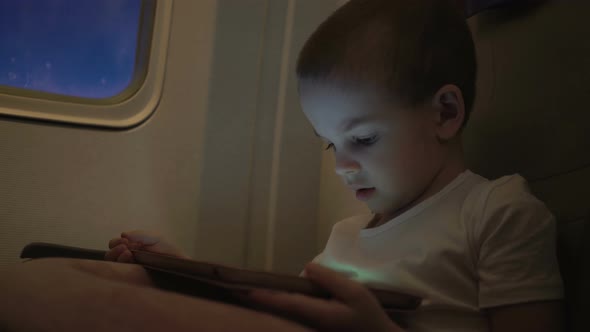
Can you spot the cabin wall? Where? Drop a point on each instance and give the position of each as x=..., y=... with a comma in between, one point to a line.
x=261, y=160
x=81, y=186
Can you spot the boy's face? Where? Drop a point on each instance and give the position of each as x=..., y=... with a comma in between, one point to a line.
x=388, y=155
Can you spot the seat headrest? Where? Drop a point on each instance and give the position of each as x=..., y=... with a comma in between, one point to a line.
x=531, y=115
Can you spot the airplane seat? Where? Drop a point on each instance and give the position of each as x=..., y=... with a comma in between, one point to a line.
x=532, y=117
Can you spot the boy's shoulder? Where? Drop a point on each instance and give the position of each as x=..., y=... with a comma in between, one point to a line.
x=509, y=190
x=506, y=202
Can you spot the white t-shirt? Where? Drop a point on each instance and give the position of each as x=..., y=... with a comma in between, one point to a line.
x=475, y=244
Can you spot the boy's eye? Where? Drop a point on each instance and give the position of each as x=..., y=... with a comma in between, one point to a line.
x=329, y=146
x=366, y=140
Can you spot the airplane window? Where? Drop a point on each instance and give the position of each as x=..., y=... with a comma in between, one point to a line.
x=76, y=48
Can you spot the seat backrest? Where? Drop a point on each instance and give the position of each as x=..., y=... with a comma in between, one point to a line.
x=531, y=115
x=574, y=257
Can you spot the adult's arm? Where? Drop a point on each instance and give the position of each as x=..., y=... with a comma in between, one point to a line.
x=73, y=295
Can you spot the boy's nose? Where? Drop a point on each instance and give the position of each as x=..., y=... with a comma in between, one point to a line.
x=346, y=166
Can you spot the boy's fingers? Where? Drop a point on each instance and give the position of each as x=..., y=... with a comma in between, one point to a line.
x=301, y=307
x=114, y=253
x=348, y=291
x=125, y=257
x=117, y=241
x=144, y=237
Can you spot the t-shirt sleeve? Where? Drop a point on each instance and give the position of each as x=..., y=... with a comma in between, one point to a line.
x=517, y=259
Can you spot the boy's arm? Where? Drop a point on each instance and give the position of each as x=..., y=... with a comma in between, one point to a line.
x=545, y=316
x=520, y=286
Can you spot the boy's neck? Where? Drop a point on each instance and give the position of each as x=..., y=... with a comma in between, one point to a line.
x=450, y=170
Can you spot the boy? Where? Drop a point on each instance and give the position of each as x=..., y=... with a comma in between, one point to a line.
x=389, y=85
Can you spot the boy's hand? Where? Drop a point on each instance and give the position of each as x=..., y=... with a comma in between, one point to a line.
x=353, y=307
x=120, y=247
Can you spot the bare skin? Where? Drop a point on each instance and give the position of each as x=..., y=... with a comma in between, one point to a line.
x=76, y=295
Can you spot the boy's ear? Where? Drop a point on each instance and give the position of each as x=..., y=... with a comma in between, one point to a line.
x=450, y=112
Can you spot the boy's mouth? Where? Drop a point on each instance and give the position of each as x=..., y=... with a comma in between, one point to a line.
x=364, y=194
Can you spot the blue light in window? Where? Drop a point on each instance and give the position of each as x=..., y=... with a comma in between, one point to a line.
x=81, y=48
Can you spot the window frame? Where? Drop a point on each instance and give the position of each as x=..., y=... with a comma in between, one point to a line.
x=127, y=109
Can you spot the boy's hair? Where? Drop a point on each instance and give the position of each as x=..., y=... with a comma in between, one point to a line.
x=408, y=49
